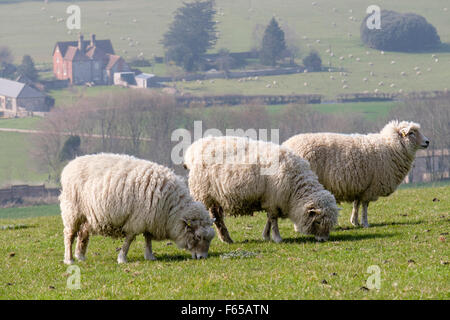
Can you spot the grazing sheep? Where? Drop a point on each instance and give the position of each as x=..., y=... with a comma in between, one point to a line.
x=122, y=196
x=360, y=168
x=225, y=179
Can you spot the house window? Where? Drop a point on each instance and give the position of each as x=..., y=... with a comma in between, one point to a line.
x=65, y=70
x=8, y=104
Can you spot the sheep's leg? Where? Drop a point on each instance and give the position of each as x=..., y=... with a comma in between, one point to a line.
x=69, y=237
x=354, y=220
x=275, y=232
x=82, y=242
x=122, y=257
x=217, y=213
x=148, y=255
x=364, y=218
x=266, y=231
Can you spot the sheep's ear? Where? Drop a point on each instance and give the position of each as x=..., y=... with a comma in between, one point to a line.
x=404, y=132
x=313, y=212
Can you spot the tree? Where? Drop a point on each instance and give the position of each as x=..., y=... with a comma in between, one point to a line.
x=400, y=32
x=273, y=44
x=191, y=34
x=7, y=69
x=224, y=60
x=71, y=148
x=27, y=68
x=312, y=61
x=5, y=55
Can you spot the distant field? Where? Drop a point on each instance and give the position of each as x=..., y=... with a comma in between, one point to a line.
x=408, y=242
x=68, y=96
x=16, y=164
x=29, y=212
x=20, y=123
x=236, y=25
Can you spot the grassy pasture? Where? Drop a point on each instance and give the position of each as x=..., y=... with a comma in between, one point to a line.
x=16, y=164
x=408, y=241
x=236, y=21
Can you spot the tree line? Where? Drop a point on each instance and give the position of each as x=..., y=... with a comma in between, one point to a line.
x=141, y=123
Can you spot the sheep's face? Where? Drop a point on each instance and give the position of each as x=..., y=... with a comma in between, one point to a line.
x=197, y=233
x=412, y=137
x=318, y=219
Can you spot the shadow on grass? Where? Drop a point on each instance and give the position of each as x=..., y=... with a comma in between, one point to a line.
x=171, y=257
x=396, y=223
x=333, y=237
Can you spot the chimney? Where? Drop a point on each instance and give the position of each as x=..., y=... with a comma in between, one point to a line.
x=93, y=40
x=81, y=43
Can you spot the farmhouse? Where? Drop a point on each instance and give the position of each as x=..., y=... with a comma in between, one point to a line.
x=17, y=98
x=86, y=61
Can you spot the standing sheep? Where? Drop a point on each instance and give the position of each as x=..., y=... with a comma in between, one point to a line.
x=360, y=168
x=121, y=196
x=238, y=176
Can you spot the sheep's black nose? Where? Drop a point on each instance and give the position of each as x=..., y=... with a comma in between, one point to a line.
x=427, y=142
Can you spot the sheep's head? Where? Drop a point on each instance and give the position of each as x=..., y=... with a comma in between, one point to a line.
x=197, y=231
x=412, y=137
x=409, y=134
x=318, y=216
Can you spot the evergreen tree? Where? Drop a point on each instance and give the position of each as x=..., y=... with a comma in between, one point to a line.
x=312, y=61
x=27, y=68
x=191, y=34
x=71, y=148
x=273, y=44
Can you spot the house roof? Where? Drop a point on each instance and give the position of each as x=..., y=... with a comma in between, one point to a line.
x=16, y=89
x=112, y=61
x=73, y=54
x=104, y=45
x=145, y=76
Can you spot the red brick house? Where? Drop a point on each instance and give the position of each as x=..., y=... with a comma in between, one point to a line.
x=87, y=61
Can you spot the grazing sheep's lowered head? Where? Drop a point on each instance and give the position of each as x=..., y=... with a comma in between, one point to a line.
x=318, y=215
x=196, y=232
x=408, y=133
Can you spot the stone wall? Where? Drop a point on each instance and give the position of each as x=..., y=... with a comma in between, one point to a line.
x=17, y=192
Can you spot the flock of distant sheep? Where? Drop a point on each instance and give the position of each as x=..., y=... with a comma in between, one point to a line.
x=122, y=196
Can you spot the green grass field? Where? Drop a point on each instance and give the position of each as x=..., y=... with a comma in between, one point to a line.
x=236, y=21
x=408, y=241
x=16, y=163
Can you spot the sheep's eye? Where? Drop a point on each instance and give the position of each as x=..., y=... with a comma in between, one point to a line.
x=411, y=133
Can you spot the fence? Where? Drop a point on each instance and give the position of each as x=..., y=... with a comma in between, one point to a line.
x=18, y=192
x=231, y=100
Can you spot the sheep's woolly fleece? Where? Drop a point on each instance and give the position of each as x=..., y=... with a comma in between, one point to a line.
x=240, y=176
x=122, y=196
x=356, y=166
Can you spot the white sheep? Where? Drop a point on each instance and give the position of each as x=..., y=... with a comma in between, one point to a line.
x=360, y=168
x=238, y=176
x=122, y=196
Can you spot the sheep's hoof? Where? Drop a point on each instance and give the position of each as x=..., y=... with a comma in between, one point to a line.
x=121, y=260
x=277, y=239
x=366, y=225
x=150, y=257
x=354, y=222
x=226, y=239
x=69, y=261
x=80, y=257
x=266, y=237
